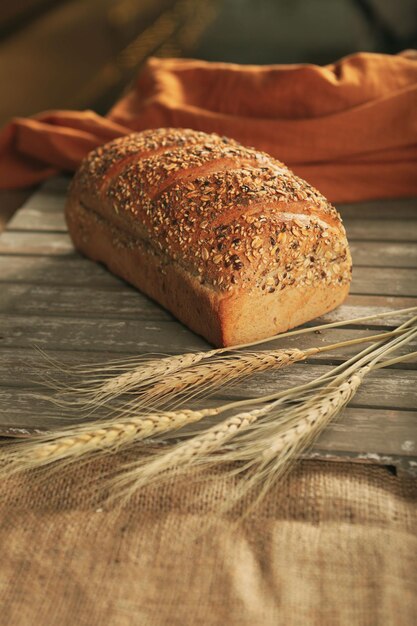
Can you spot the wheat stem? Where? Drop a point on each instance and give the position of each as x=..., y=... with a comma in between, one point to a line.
x=98, y=390
x=282, y=432
x=207, y=375
x=84, y=440
x=405, y=335
x=398, y=359
x=91, y=437
x=216, y=373
x=87, y=438
x=200, y=450
x=245, y=364
x=318, y=415
x=154, y=371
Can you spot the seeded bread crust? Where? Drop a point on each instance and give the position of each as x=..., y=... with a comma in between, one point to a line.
x=225, y=237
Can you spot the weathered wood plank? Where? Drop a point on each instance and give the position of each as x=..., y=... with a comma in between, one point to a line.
x=27, y=242
x=91, y=302
x=388, y=431
x=96, y=302
x=94, y=334
x=390, y=390
x=361, y=430
x=384, y=281
x=74, y=270
x=400, y=209
x=363, y=305
x=384, y=254
x=384, y=230
x=10, y=201
x=40, y=218
x=141, y=336
x=68, y=269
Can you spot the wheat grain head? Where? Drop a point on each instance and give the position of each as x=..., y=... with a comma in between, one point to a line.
x=71, y=444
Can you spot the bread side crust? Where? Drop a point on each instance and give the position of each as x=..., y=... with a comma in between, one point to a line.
x=165, y=282
x=223, y=319
x=251, y=316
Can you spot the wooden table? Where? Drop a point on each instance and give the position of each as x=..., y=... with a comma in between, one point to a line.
x=76, y=311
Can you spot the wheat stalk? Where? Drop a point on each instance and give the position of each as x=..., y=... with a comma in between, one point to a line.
x=267, y=440
x=210, y=448
x=83, y=440
x=136, y=373
x=203, y=378
x=218, y=373
x=98, y=436
x=158, y=390
x=236, y=438
x=225, y=370
x=138, y=376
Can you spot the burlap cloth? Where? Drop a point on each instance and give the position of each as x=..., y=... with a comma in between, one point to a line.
x=333, y=544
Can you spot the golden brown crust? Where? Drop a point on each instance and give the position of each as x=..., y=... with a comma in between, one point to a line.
x=106, y=160
x=237, y=223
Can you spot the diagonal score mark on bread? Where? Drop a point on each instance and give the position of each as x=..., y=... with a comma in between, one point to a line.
x=106, y=162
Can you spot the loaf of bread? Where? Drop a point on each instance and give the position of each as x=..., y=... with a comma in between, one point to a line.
x=225, y=237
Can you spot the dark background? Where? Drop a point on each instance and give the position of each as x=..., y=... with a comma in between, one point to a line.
x=82, y=53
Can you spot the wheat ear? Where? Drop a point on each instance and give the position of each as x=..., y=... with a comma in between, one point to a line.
x=206, y=377
x=218, y=373
x=49, y=448
x=100, y=436
x=266, y=455
x=267, y=451
x=273, y=434
x=86, y=438
x=98, y=386
x=198, y=451
x=83, y=439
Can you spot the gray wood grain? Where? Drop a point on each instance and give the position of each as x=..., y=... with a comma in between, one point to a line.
x=64, y=333
x=383, y=230
x=37, y=219
x=367, y=434
x=43, y=243
x=384, y=254
x=398, y=208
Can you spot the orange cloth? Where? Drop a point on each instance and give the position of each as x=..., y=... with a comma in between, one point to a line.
x=349, y=128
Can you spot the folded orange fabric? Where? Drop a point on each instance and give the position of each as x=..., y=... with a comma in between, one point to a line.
x=349, y=128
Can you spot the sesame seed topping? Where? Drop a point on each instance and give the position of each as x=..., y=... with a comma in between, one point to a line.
x=232, y=216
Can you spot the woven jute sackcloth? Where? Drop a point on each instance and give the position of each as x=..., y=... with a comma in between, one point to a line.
x=333, y=544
